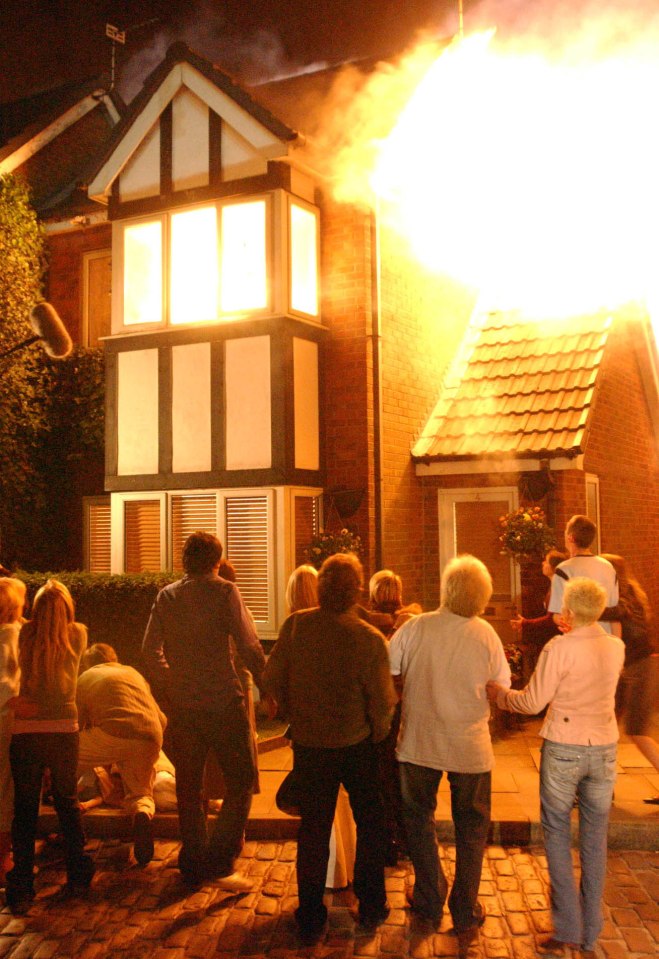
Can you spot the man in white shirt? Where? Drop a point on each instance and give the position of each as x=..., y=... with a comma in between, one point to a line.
x=443, y=660
x=580, y=534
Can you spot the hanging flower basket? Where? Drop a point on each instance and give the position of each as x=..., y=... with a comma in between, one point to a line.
x=327, y=544
x=525, y=535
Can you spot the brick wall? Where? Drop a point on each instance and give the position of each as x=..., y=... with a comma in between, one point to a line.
x=622, y=452
x=64, y=281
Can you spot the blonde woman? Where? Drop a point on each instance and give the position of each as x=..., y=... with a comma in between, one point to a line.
x=12, y=601
x=46, y=736
x=302, y=589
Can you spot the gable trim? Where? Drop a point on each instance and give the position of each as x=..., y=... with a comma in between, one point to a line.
x=481, y=466
x=49, y=133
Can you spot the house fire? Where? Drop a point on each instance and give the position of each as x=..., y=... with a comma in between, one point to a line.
x=312, y=318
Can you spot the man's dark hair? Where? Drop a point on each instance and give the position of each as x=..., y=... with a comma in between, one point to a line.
x=340, y=582
x=201, y=552
x=582, y=530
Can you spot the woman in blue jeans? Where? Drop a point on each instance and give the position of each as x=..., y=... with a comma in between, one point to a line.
x=577, y=674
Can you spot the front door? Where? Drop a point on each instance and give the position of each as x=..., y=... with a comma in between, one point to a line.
x=469, y=523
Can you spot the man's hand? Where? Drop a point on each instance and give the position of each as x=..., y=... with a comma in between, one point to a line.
x=492, y=690
x=517, y=623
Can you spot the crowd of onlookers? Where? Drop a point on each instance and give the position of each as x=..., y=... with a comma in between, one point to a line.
x=381, y=701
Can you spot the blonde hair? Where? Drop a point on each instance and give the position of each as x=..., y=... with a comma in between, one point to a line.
x=45, y=640
x=385, y=590
x=12, y=599
x=302, y=589
x=585, y=599
x=466, y=586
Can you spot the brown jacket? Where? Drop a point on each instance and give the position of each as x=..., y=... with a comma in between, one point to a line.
x=330, y=675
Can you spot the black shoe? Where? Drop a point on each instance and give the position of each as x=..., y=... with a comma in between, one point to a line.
x=79, y=875
x=368, y=922
x=19, y=898
x=142, y=839
x=310, y=931
x=652, y=801
x=479, y=916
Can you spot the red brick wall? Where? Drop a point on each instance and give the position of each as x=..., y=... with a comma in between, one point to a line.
x=64, y=281
x=622, y=452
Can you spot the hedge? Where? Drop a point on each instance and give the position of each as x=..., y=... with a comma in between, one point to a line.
x=115, y=609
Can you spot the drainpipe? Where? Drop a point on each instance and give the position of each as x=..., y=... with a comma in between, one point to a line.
x=376, y=344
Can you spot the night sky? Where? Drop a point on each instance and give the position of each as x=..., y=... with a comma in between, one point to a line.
x=46, y=42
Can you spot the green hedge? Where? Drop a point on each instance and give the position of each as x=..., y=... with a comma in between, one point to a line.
x=115, y=609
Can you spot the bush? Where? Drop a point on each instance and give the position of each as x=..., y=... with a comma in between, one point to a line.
x=115, y=609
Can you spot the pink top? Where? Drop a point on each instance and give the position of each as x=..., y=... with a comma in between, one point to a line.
x=577, y=674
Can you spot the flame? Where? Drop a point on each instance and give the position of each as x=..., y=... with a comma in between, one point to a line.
x=530, y=178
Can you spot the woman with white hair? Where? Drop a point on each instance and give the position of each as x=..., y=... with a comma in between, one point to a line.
x=577, y=675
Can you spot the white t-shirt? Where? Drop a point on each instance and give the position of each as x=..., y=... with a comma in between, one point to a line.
x=590, y=566
x=445, y=661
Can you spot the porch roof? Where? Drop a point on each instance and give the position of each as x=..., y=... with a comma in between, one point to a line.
x=517, y=388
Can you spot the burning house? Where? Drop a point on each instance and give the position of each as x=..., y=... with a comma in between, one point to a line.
x=278, y=358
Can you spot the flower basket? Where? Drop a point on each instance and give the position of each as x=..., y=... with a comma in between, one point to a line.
x=327, y=544
x=525, y=535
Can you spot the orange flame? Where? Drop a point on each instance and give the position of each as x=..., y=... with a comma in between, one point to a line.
x=532, y=179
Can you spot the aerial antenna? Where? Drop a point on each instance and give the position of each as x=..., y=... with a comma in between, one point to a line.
x=119, y=36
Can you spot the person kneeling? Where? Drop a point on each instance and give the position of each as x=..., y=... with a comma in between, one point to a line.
x=121, y=724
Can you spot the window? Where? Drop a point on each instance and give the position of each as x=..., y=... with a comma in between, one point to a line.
x=96, y=295
x=189, y=514
x=210, y=270
x=593, y=506
x=97, y=534
x=304, y=259
x=307, y=525
x=142, y=543
x=248, y=544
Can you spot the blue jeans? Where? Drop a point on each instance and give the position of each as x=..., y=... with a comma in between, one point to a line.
x=470, y=810
x=588, y=773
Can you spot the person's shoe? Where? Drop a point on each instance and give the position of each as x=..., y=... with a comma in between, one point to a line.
x=368, y=922
x=553, y=947
x=652, y=801
x=79, y=875
x=468, y=942
x=310, y=935
x=235, y=882
x=19, y=896
x=142, y=838
x=421, y=917
x=479, y=915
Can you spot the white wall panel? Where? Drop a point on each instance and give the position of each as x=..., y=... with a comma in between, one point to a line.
x=141, y=177
x=248, y=403
x=137, y=412
x=191, y=408
x=189, y=141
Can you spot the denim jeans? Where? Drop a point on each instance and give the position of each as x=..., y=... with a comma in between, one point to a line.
x=470, y=810
x=193, y=734
x=588, y=773
x=30, y=755
x=321, y=771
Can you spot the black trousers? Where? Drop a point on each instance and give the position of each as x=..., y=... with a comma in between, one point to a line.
x=30, y=754
x=321, y=772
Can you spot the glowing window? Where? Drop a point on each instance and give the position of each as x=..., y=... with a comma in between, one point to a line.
x=244, y=258
x=193, y=271
x=304, y=261
x=143, y=273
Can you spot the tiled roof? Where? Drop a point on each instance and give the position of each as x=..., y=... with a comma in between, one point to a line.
x=517, y=388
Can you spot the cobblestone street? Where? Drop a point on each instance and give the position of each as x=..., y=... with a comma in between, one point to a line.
x=131, y=912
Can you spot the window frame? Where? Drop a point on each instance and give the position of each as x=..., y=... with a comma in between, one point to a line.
x=88, y=502
x=291, y=201
x=118, y=260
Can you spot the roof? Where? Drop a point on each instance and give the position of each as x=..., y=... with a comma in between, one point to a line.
x=51, y=140
x=517, y=388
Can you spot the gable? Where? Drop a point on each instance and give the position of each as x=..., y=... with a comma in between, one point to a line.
x=198, y=127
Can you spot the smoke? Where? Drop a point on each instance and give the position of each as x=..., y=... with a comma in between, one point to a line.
x=251, y=59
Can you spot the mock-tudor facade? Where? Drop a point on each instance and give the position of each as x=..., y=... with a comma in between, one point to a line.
x=275, y=362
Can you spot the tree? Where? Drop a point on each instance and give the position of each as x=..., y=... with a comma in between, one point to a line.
x=51, y=412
